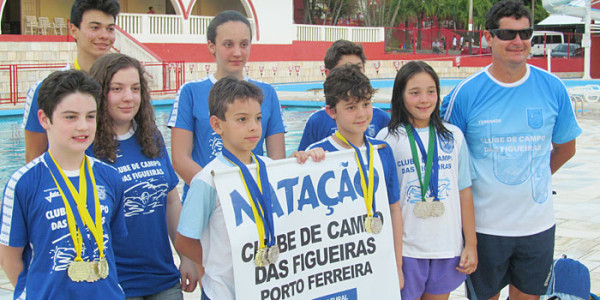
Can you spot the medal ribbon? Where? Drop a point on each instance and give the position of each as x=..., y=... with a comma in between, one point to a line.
x=83, y=217
x=259, y=201
x=431, y=164
x=76, y=65
x=368, y=189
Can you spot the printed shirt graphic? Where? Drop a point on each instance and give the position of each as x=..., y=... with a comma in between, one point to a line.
x=387, y=161
x=190, y=112
x=509, y=130
x=144, y=258
x=34, y=217
x=439, y=237
x=320, y=125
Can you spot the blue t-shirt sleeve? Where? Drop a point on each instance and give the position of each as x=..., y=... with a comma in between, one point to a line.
x=30, y=116
x=391, y=174
x=182, y=112
x=464, y=167
x=566, y=128
x=14, y=232
x=450, y=110
x=383, y=119
x=276, y=120
x=199, y=204
x=172, y=176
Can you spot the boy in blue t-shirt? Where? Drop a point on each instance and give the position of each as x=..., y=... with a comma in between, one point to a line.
x=62, y=210
x=348, y=97
x=235, y=115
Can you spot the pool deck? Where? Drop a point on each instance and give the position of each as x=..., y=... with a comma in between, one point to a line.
x=577, y=205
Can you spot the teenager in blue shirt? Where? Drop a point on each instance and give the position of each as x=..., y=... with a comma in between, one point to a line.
x=128, y=139
x=92, y=25
x=193, y=142
x=319, y=124
x=63, y=211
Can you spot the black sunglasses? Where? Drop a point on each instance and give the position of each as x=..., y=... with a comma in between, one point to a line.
x=511, y=34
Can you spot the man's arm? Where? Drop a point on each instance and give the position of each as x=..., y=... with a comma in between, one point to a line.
x=275, y=145
x=560, y=154
x=11, y=259
x=191, y=248
x=182, y=142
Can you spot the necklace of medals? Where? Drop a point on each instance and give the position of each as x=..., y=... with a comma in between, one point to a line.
x=260, y=201
x=80, y=270
x=428, y=206
x=373, y=222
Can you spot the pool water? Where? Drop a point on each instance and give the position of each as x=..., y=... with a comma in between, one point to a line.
x=12, y=140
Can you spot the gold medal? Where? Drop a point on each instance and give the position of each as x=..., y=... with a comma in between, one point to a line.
x=376, y=225
x=93, y=271
x=368, y=221
x=102, y=267
x=258, y=257
x=273, y=254
x=421, y=209
x=78, y=271
x=436, y=209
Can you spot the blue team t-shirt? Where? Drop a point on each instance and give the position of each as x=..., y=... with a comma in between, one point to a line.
x=509, y=129
x=34, y=217
x=144, y=259
x=387, y=161
x=190, y=112
x=320, y=125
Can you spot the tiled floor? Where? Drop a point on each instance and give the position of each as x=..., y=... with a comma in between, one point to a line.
x=577, y=206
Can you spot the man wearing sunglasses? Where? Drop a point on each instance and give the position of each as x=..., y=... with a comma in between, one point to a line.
x=520, y=128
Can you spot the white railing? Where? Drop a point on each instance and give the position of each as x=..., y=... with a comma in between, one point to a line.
x=125, y=45
x=199, y=25
x=148, y=28
x=334, y=33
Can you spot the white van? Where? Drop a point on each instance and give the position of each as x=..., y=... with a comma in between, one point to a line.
x=542, y=40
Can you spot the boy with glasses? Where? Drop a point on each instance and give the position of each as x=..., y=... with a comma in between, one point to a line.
x=520, y=128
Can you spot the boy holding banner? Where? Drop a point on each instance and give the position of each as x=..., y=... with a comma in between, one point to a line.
x=348, y=95
x=60, y=211
x=235, y=115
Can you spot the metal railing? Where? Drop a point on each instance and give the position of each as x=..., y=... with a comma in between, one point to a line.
x=16, y=79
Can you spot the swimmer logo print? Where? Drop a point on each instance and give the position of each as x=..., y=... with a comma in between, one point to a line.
x=318, y=215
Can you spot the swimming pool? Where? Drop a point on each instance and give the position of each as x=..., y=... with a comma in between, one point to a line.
x=12, y=141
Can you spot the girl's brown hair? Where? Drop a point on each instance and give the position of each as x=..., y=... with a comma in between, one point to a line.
x=148, y=135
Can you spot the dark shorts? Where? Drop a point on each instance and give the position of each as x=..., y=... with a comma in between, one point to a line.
x=431, y=276
x=524, y=262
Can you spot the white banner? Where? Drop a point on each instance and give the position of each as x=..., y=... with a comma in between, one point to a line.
x=319, y=226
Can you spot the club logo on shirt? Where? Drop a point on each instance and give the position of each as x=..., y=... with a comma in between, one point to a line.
x=535, y=118
x=447, y=145
x=146, y=199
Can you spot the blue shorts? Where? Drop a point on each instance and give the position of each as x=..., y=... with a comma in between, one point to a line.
x=432, y=276
x=524, y=262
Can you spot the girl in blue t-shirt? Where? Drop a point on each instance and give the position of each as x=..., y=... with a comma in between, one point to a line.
x=433, y=173
x=128, y=139
x=194, y=143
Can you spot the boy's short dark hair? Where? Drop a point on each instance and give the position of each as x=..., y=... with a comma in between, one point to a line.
x=109, y=7
x=347, y=82
x=503, y=9
x=227, y=90
x=63, y=83
x=340, y=48
x=224, y=17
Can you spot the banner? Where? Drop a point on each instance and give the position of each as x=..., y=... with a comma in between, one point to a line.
x=318, y=214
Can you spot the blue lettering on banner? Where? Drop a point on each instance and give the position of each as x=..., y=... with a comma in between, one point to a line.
x=309, y=195
x=343, y=295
